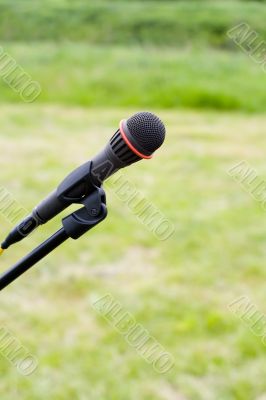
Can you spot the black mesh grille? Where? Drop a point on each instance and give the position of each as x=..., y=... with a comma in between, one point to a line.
x=147, y=130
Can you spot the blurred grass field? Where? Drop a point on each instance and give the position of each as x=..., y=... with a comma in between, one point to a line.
x=178, y=289
x=99, y=62
x=162, y=54
x=115, y=76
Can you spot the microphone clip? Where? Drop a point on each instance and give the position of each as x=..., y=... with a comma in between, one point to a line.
x=84, y=219
x=94, y=211
x=78, y=187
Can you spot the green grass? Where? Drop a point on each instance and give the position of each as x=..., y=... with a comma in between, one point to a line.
x=175, y=23
x=178, y=289
x=164, y=54
x=78, y=74
x=98, y=62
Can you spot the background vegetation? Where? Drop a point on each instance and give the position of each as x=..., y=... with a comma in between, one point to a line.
x=112, y=58
x=98, y=62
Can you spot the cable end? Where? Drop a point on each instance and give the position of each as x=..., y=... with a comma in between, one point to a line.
x=1, y=251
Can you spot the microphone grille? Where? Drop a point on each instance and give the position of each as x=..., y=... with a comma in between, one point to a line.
x=147, y=130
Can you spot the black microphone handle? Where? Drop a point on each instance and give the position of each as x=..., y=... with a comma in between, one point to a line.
x=48, y=208
x=78, y=183
x=137, y=138
x=74, y=187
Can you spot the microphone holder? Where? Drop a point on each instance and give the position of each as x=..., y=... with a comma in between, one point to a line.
x=75, y=225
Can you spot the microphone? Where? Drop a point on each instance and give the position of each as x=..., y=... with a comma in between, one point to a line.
x=137, y=138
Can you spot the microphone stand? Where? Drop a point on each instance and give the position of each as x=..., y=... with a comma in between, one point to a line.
x=74, y=226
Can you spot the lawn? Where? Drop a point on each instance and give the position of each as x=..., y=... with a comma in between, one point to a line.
x=139, y=76
x=98, y=62
x=178, y=289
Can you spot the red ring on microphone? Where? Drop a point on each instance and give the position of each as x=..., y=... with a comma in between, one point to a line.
x=129, y=144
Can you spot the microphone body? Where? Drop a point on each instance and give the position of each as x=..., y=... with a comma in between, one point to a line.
x=114, y=156
x=137, y=138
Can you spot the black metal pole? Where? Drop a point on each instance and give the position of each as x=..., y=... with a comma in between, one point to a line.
x=32, y=258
